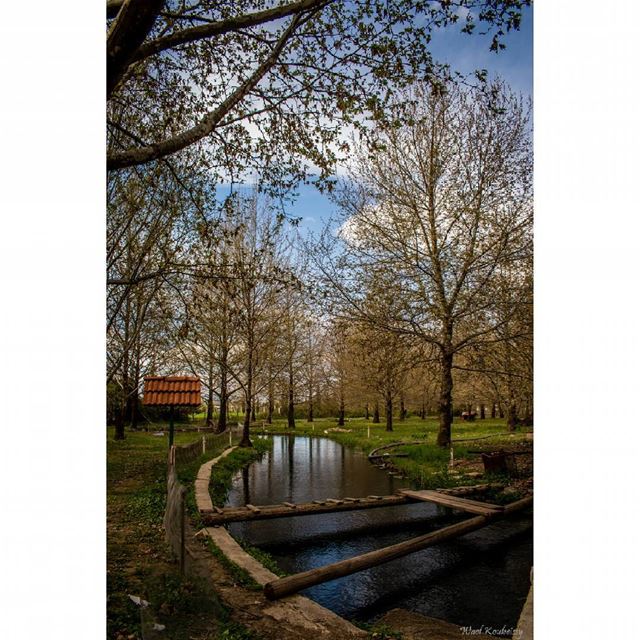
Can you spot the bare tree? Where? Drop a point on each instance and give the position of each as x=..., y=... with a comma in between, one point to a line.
x=446, y=205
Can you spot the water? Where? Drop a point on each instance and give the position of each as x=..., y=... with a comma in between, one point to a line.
x=479, y=579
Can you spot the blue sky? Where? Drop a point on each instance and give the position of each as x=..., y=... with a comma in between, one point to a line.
x=465, y=53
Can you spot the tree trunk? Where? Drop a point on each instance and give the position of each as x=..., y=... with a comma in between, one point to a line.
x=500, y=410
x=248, y=395
x=253, y=411
x=341, y=411
x=512, y=417
x=310, y=414
x=270, y=393
x=224, y=404
x=376, y=413
x=291, y=418
x=493, y=410
x=403, y=411
x=444, y=407
x=389, y=411
x=366, y=411
x=482, y=412
x=119, y=433
x=210, y=404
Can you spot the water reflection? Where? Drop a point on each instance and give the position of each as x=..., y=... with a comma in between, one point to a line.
x=480, y=579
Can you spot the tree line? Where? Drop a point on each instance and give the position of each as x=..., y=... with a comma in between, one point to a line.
x=417, y=297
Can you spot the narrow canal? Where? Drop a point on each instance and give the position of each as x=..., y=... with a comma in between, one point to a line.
x=479, y=579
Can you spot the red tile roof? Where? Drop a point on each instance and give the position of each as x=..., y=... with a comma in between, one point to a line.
x=180, y=391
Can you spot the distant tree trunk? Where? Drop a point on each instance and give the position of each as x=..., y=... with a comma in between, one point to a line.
x=119, y=432
x=366, y=411
x=389, y=410
x=310, y=413
x=224, y=403
x=423, y=411
x=210, y=396
x=341, y=410
x=403, y=411
x=253, y=411
x=512, y=417
x=291, y=418
x=493, y=410
x=270, y=393
x=500, y=410
x=482, y=412
x=445, y=406
x=248, y=396
x=376, y=413
x=135, y=386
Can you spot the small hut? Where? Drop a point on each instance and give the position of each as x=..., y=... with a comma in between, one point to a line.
x=172, y=391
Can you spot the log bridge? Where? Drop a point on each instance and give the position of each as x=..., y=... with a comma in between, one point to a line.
x=219, y=516
x=296, y=582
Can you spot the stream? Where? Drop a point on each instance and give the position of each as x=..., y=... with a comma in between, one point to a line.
x=479, y=579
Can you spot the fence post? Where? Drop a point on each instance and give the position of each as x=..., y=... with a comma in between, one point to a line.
x=204, y=444
x=183, y=493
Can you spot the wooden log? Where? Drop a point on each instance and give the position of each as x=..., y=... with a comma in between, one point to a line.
x=292, y=584
x=252, y=508
x=453, y=502
x=334, y=501
x=239, y=514
x=290, y=505
x=392, y=445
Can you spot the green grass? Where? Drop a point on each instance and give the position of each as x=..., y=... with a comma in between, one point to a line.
x=240, y=576
x=225, y=469
x=139, y=561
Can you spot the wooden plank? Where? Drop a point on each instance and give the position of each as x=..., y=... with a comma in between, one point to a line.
x=291, y=584
x=239, y=514
x=453, y=502
x=334, y=501
x=252, y=508
x=290, y=505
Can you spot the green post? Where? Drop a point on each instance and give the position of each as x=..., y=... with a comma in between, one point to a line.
x=170, y=426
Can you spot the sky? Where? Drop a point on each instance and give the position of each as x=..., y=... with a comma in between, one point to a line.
x=465, y=53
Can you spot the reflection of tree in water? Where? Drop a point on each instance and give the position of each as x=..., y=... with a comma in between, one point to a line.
x=291, y=446
x=245, y=484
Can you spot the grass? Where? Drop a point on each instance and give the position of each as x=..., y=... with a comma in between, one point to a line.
x=226, y=469
x=139, y=561
x=427, y=465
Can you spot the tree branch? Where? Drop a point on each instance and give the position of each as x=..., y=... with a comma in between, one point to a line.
x=132, y=25
x=224, y=26
x=133, y=157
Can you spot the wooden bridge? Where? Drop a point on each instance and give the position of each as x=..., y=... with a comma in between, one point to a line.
x=484, y=514
x=223, y=515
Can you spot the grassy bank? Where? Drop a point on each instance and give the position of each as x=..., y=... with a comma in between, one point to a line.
x=139, y=561
x=426, y=465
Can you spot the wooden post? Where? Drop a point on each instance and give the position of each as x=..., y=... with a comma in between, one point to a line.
x=204, y=444
x=170, y=426
x=294, y=583
x=183, y=493
x=368, y=432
